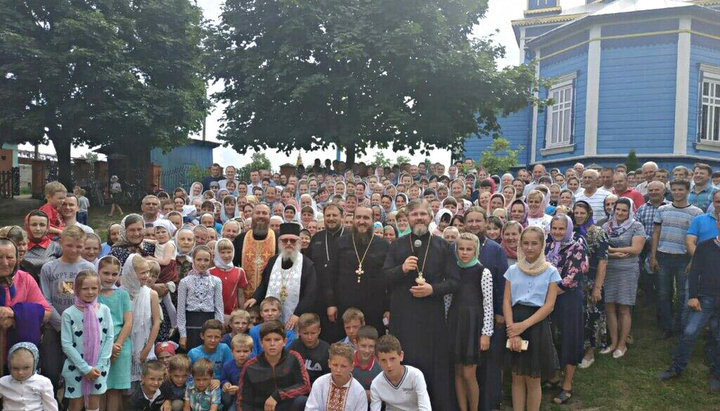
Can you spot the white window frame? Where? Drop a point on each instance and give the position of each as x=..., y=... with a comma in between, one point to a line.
x=564, y=109
x=706, y=131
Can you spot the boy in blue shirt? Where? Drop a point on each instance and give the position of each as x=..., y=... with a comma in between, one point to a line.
x=212, y=349
x=241, y=347
x=269, y=311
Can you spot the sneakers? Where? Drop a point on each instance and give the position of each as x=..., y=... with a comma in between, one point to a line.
x=668, y=374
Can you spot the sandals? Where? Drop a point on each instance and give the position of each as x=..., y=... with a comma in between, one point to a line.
x=563, y=397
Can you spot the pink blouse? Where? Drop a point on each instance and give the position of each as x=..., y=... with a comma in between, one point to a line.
x=26, y=291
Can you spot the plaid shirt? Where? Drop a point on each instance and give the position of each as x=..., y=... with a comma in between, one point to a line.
x=702, y=199
x=646, y=215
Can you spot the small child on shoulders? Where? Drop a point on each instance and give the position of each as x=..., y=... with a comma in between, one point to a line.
x=313, y=350
x=152, y=394
x=55, y=193
x=400, y=387
x=24, y=388
x=199, y=394
x=176, y=383
x=365, y=365
x=269, y=311
x=338, y=387
x=239, y=323
x=353, y=319
x=241, y=348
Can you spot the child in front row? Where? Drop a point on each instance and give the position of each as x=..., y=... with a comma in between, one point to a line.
x=269, y=311
x=152, y=393
x=118, y=301
x=241, y=347
x=366, y=366
x=24, y=389
x=399, y=386
x=276, y=378
x=353, y=319
x=199, y=395
x=313, y=350
x=87, y=341
x=212, y=349
x=176, y=385
x=338, y=387
x=239, y=323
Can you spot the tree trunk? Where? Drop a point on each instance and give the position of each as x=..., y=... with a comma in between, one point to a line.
x=62, y=149
x=349, y=156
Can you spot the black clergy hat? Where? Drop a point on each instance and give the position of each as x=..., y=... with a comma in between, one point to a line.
x=289, y=229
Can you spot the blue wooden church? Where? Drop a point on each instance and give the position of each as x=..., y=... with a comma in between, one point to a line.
x=623, y=74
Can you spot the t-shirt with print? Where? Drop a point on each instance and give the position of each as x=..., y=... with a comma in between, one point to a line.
x=316, y=359
x=674, y=222
x=57, y=283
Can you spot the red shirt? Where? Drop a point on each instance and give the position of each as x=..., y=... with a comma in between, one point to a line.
x=231, y=281
x=634, y=195
x=26, y=291
x=54, y=218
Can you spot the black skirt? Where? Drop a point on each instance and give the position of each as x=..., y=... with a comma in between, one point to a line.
x=194, y=321
x=540, y=359
x=465, y=331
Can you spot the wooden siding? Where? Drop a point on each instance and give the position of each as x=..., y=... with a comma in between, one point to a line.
x=183, y=156
x=637, y=99
x=515, y=128
x=698, y=55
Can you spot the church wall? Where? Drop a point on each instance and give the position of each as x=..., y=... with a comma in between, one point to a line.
x=703, y=51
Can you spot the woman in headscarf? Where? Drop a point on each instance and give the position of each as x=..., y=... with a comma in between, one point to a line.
x=519, y=212
x=471, y=187
x=497, y=200
x=608, y=206
x=626, y=239
x=511, y=240
x=184, y=242
x=401, y=200
x=458, y=189
x=567, y=251
x=530, y=293
x=132, y=235
x=596, y=241
x=508, y=193
x=196, y=191
x=40, y=247
x=566, y=198
x=442, y=220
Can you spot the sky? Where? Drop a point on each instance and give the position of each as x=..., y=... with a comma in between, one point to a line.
x=496, y=23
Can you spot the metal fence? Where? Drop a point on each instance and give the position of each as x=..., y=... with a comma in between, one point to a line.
x=179, y=176
x=10, y=183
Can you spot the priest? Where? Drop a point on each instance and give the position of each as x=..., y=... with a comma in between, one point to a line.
x=359, y=280
x=254, y=248
x=420, y=269
x=289, y=277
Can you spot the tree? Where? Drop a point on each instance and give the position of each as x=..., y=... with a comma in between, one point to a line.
x=125, y=75
x=631, y=162
x=380, y=160
x=498, y=158
x=257, y=161
x=358, y=74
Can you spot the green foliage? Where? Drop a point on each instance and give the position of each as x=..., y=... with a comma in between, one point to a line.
x=126, y=75
x=360, y=73
x=257, y=161
x=196, y=173
x=402, y=160
x=380, y=160
x=631, y=162
x=499, y=157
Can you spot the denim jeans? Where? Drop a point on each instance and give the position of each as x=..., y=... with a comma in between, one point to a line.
x=670, y=277
x=696, y=322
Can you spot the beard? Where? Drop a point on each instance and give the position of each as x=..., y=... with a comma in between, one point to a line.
x=260, y=227
x=290, y=254
x=419, y=229
x=365, y=237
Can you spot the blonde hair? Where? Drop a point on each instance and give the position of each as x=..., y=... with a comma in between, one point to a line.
x=242, y=314
x=179, y=362
x=307, y=320
x=108, y=260
x=82, y=276
x=54, y=187
x=343, y=350
x=154, y=268
x=270, y=300
x=224, y=244
x=241, y=341
x=353, y=313
x=74, y=232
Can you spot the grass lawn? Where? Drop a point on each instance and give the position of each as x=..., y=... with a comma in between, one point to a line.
x=625, y=384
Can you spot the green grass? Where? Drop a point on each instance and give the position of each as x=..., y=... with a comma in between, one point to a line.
x=625, y=384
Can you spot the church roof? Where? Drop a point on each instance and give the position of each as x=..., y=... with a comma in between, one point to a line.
x=616, y=9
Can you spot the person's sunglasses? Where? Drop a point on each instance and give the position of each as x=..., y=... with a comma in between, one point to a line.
x=288, y=240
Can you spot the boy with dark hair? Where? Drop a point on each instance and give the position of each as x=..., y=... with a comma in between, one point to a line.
x=200, y=395
x=150, y=396
x=400, y=387
x=269, y=311
x=176, y=383
x=311, y=347
x=276, y=378
x=212, y=349
x=366, y=368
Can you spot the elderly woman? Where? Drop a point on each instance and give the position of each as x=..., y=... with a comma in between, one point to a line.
x=132, y=229
x=567, y=252
x=626, y=240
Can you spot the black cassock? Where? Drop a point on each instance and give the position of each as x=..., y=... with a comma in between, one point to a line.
x=308, y=284
x=420, y=323
x=369, y=294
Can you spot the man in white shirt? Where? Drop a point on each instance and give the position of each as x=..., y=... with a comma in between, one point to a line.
x=648, y=170
x=400, y=387
x=592, y=194
x=68, y=210
x=229, y=176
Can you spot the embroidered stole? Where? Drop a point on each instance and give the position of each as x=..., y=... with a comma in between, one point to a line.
x=254, y=258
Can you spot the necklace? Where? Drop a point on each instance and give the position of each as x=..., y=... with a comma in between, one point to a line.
x=359, y=272
x=284, y=278
x=327, y=252
x=420, y=279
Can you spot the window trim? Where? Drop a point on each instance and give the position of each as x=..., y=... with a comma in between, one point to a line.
x=709, y=74
x=562, y=82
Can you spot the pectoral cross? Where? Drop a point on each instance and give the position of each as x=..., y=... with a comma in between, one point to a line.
x=359, y=272
x=283, y=294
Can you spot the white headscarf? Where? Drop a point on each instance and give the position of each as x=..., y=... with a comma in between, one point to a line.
x=141, y=312
x=218, y=261
x=192, y=197
x=167, y=224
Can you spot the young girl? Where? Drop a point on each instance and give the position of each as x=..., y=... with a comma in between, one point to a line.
x=91, y=248
x=115, y=195
x=472, y=307
x=494, y=228
x=24, y=389
x=40, y=247
x=113, y=237
x=165, y=250
x=233, y=278
x=145, y=314
x=200, y=298
x=118, y=301
x=530, y=292
x=168, y=314
x=87, y=341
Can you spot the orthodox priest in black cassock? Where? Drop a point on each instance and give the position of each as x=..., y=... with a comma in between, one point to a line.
x=358, y=278
x=420, y=269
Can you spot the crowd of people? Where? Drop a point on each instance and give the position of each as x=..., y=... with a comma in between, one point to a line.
x=407, y=287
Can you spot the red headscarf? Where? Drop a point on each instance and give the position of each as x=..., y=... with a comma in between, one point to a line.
x=43, y=242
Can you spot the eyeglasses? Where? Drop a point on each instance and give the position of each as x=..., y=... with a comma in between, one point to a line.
x=288, y=240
